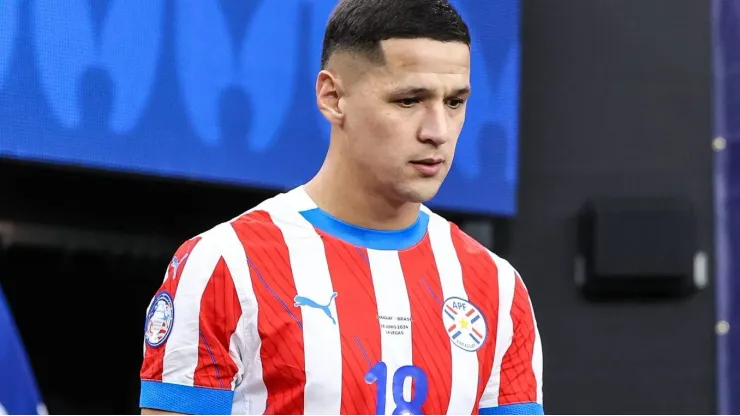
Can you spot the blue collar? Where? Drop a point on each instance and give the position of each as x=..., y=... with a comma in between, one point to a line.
x=366, y=237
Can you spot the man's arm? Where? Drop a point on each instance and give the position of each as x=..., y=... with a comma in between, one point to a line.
x=515, y=386
x=190, y=364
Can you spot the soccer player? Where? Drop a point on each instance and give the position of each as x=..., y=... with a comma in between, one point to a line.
x=347, y=295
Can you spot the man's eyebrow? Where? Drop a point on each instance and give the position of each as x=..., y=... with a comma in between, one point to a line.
x=412, y=91
x=461, y=91
x=423, y=91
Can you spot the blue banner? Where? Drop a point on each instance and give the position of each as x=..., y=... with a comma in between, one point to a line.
x=18, y=391
x=726, y=19
x=222, y=90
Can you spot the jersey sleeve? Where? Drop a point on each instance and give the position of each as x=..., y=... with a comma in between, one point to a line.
x=515, y=386
x=192, y=347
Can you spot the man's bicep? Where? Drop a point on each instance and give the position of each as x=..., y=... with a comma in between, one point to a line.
x=189, y=358
x=516, y=385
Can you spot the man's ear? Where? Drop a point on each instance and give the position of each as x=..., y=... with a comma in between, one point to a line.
x=328, y=95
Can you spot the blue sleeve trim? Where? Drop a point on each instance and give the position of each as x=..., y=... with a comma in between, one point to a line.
x=185, y=399
x=514, y=409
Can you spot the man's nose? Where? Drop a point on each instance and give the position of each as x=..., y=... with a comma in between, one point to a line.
x=434, y=127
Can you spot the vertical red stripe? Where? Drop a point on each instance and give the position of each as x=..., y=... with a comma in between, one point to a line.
x=430, y=343
x=358, y=323
x=279, y=323
x=219, y=313
x=480, y=277
x=518, y=382
x=153, y=365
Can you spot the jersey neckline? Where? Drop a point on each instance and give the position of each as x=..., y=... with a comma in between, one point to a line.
x=368, y=237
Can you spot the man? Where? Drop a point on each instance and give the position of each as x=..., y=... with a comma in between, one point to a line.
x=18, y=391
x=346, y=295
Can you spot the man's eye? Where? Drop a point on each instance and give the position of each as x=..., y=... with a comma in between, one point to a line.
x=455, y=103
x=407, y=102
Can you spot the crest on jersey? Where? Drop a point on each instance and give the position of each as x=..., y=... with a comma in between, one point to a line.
x=159, y=320
x=465, y=324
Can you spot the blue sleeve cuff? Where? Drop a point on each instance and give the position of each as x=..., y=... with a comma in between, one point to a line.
x=514, y=409
x=185, y=399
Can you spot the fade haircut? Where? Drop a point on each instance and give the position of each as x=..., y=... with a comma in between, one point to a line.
x=359, y=26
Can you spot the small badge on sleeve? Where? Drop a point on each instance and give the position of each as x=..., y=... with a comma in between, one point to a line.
x=159, y=320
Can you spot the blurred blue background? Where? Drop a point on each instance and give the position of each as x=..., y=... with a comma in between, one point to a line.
x=222, y=91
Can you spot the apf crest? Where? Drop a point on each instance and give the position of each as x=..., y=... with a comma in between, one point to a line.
x=465, y=324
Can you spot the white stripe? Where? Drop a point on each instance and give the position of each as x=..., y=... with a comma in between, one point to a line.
x=505, y=332
x=321, y=338
x=285, y=203
x=236, y=344
x=537, y=357
x=250, y=392
x=181, y=351
x=464, y=363
x=392, y=299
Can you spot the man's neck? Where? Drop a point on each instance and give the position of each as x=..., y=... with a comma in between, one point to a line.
x=338, y=193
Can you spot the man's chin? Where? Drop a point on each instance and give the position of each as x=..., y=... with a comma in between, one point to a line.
x=421, y=192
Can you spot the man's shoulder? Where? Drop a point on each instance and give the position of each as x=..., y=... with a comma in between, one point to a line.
x=254, y=225
x=473, y=250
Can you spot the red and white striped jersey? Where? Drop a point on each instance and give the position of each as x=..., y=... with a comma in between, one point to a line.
x=287, y=310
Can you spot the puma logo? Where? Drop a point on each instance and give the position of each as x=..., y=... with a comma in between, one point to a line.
x=304, y=301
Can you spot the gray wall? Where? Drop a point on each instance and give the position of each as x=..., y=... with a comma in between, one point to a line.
x=616, y=100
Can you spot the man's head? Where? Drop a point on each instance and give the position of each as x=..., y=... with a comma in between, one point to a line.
x=394, y=84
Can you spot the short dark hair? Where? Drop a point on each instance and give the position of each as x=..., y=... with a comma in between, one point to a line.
x=359, y=26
